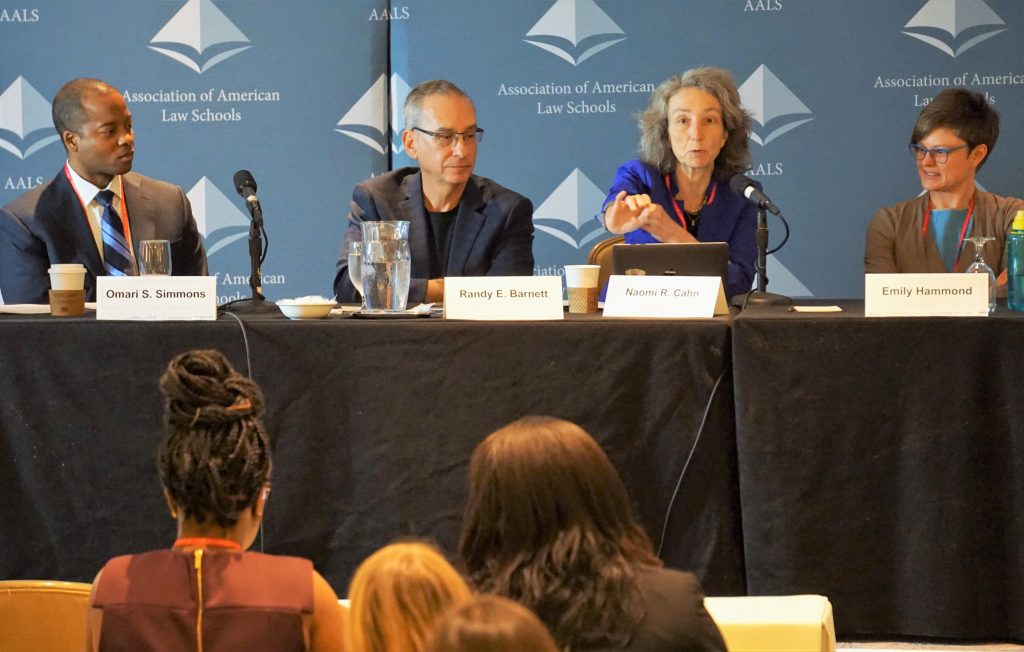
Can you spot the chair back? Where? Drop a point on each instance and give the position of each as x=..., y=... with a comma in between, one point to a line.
x=787, y=623
x=42, y=615
x=601, y=254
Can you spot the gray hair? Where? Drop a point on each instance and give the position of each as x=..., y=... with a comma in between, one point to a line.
x=412, y=110
x=655, y=148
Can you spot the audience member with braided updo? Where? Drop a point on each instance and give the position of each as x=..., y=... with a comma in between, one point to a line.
x=207, y=593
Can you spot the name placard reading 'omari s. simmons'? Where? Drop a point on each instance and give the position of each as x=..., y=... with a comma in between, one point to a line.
x=156, y=298
x=665, y=297
x=925, y=295
x=492, y=298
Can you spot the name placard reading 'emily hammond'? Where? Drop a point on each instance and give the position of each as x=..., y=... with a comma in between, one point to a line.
x=925, y=295
x=492, y=298
x=156, y=298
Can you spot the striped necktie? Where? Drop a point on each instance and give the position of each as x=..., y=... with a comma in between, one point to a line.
x=117, y=254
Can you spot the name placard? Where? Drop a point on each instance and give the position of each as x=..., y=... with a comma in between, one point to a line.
x=665, y=297
x=156, y=298
x=492, y=298
x=925, y=295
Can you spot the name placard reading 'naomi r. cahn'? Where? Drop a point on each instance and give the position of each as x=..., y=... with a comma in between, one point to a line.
x=156, y=298
x=495, y=298
x=670, y=297
x=925, y=295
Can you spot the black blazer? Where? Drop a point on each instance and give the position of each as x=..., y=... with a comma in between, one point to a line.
x=47, y=225
x=492, y=234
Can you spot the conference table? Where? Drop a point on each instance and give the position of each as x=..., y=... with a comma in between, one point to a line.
x=875, y=461
x=881, y=464
x=373, y=424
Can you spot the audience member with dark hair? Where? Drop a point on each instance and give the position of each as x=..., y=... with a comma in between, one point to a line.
x=953, y=137
x=490, y=623
x=548, y=524
x=206, y=593
x=396, y=595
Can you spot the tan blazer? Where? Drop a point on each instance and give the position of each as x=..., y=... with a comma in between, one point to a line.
x=895, y=244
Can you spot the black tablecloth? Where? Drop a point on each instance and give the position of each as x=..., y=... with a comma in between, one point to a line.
x=373, y=423
x=881, y=463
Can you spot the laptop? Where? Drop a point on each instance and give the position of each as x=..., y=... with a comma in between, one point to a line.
x=671, y=259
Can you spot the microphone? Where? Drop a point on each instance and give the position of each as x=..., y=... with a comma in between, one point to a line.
x=741, y=185
x=246, y=187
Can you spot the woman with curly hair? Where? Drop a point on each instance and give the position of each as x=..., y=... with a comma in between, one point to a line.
x=206, y=593
x=548, y=524
x=693, y=138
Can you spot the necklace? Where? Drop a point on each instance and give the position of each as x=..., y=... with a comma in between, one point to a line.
x=207, y=542
x=693, y=214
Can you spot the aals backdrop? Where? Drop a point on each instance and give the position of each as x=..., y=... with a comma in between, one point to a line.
x=304, y=94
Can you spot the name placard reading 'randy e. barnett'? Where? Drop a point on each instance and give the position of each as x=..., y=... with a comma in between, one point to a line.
x=665, y=297
x=494, y=298
x=156, y=298
x=925, y=295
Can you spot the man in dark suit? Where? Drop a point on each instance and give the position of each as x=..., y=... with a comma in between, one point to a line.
x=95, y=211
x=460, y=224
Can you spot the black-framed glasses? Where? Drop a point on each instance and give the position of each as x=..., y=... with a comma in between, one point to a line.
x=445, y=138
x=939, y=154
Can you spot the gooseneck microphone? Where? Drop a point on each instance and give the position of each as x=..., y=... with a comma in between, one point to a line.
x=743, y=186
x=246, y=187
x=245, y=184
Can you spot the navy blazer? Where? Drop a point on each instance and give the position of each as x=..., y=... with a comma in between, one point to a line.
x=492, y=234
x=48, y=225
x=729, y=218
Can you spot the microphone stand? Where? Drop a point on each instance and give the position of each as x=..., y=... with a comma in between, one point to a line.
x=258, y=303
x=760, y=296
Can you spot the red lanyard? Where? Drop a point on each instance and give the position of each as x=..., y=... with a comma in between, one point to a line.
x=207, y=542
x=124, y=206
x=963, y=229
x=709, y=196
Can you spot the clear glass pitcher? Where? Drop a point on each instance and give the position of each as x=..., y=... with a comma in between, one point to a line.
x=386, y=265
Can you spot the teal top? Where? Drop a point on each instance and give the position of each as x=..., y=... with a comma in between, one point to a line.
x=946, y=225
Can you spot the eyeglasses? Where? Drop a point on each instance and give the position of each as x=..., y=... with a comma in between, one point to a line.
x=939, y=154
x=445, y=139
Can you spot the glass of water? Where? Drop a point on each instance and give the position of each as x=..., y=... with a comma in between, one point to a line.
x=155, y=257
x=355, y=268
x=386, y=265
x=978, y=266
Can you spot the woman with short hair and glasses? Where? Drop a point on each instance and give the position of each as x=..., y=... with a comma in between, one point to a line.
x=952, y=138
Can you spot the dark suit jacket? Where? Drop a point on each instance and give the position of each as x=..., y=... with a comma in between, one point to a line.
x=492, y=234
x=47, y=225
x=676, y=620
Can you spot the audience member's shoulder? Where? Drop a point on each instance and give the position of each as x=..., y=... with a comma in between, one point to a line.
x=668, y=582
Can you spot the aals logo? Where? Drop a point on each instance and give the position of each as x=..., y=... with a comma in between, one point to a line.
x=218, y=218
x=575, y=30
x=23, y=111
x=955, y=26
x=201, y=27
x=773, y=105
x=573, y=202
x=367, y=120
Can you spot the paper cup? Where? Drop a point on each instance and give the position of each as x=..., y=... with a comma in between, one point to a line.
x=67, y=303
x=583, y=300
x=582, y=276
x=67, y=276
